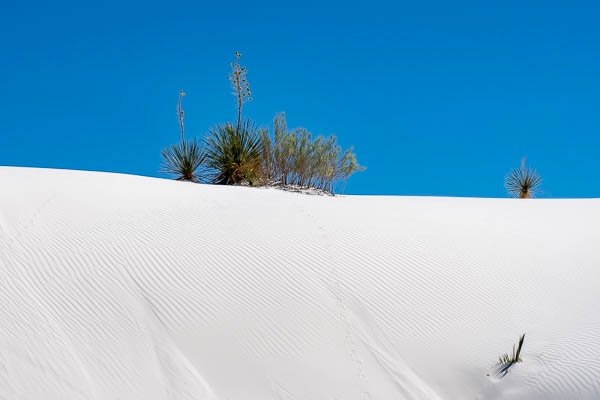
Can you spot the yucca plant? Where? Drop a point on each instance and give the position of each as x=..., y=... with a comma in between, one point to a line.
x=523, y=182
x=184, y=160
x=234, y=155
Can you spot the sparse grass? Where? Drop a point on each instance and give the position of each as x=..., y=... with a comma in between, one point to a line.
x=522, y=182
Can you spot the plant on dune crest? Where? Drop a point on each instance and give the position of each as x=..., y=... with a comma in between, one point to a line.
x=234, y=154
x=523, y=182
x=506, y=360
x=295, y=158
x=184, y=159
x=237, y=152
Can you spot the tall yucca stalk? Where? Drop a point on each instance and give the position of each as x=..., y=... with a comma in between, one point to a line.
x=240, y=85
x=523, y=182
x=233, y=154
x=180, y=115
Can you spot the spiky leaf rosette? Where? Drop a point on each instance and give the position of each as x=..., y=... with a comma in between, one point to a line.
x=184, y=160
x=523, y=182
x=234, y=155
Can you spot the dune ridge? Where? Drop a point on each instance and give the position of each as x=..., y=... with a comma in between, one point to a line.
x=117, y=286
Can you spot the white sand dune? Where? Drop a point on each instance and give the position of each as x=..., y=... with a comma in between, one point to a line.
x=123, y=287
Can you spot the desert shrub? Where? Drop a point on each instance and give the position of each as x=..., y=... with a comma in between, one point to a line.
x=184, y=160
x=295, y=158
x=522, y=182
x=234, y=155
x=267, y=165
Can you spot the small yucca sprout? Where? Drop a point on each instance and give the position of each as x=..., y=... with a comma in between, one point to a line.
x=506, y=361
x=516, y=353
x=522, y=182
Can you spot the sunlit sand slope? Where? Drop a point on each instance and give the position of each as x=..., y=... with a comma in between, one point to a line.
x=123, y=287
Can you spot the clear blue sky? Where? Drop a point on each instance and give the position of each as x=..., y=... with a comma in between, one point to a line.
x=437, y=98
